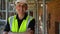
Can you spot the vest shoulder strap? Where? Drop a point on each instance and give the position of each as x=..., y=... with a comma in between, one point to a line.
x=29, y=20
x=10, y=21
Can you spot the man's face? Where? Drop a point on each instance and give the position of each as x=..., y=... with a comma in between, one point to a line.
x=21, y=8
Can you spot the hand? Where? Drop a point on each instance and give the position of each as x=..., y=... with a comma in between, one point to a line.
x=29, y=31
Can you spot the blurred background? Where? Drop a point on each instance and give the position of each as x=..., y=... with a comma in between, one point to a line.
x=45, y=12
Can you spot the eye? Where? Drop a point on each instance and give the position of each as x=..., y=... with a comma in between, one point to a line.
x=24, y=5
x=17, y=2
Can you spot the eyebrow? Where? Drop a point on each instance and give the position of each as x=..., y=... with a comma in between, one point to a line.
x=25, y=4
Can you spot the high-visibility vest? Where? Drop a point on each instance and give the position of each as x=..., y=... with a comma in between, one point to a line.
x=14, y=24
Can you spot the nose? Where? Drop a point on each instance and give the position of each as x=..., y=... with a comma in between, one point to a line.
x=21, y=8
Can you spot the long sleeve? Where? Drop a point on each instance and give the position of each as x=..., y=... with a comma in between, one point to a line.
x=7, y=27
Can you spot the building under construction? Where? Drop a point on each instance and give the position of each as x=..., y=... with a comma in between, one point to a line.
x=45, y=12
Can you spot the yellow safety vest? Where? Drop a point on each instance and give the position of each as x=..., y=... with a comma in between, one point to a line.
x=14, y=24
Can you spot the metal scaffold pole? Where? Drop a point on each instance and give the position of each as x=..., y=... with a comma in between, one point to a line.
x=6, y=10
x=37, y=21
x=44, y=17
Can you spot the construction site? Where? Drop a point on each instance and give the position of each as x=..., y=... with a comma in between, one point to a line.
x=45, y=12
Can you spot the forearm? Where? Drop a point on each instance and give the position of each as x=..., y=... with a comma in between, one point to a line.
x=30, y=32
x=27, y=33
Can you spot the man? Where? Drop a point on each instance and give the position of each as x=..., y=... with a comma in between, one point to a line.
x=22, y=22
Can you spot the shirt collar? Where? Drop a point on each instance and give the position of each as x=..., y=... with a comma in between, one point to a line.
x=23, y=18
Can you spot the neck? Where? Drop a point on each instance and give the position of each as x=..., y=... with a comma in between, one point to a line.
x=21, y=16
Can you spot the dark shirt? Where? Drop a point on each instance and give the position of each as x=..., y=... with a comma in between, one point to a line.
x=31, y=24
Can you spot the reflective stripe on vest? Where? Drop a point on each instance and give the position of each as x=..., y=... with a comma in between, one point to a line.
x=14, y=24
